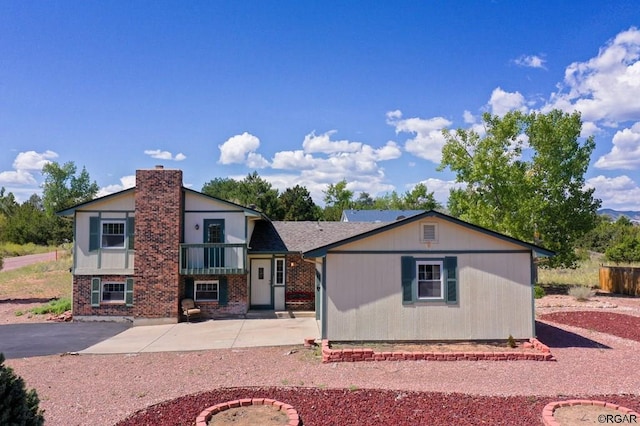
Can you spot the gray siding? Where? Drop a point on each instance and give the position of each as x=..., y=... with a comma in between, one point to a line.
x=364, y=299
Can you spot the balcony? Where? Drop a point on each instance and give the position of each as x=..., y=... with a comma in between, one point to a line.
x=213, y=259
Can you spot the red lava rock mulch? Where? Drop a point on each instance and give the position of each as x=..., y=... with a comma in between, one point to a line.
x=320, y=407
x=621, y=325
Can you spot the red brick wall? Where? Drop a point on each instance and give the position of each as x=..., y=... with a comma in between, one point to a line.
x=236, y=297
x=300, y=278
x=159, y=206
x=82, y=297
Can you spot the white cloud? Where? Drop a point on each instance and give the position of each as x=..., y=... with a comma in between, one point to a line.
x=468, y=117
x=606, y=87
x=296, y=160
x=323, y=144
x=236, y=149
x=502, y=102
x=530, y=61
x=428, y=140
x=18, y=177
x=256, y=161
x=625, y=153
x=164, y=155
x=126, y=182
x=33, y=161
x=621, y=192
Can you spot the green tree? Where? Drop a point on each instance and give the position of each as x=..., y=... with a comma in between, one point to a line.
x=337, y=198
x=30, y=224
x=420, y=199
x=63, y=189
x=363, y=202
x=533, y=191
x=224, y=188
x=606, y=233
x=253, y=191
x=296, y=204
x=18, y=406
x=626, y=251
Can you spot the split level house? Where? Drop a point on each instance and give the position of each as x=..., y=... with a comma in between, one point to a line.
x=139, y=252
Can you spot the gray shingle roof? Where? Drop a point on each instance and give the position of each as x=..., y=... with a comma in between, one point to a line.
x=304, y=235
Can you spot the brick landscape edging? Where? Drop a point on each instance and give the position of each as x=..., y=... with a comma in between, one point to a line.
x=549, y=420
x=204, y=417
x=366, y=354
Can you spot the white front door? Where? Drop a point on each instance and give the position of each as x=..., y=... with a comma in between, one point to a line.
x=261, y=283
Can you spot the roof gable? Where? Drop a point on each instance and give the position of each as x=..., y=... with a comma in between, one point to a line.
x=321, y=250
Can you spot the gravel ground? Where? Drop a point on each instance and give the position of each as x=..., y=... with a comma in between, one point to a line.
x=106, y=389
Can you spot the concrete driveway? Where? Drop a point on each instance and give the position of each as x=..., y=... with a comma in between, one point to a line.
x=211, y=334
x=28, y=340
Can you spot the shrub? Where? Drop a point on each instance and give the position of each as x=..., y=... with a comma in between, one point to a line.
x=538, y=292
x=511, y=342
x=580, y=292
x=56, y=307
x=17, y=405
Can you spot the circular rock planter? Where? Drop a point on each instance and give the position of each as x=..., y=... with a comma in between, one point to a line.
x=578, y=411
x=254, y=410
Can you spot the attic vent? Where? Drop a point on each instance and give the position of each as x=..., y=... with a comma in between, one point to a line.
x=428, y=233
x=400, y=217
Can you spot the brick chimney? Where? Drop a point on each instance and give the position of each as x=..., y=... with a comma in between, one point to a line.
x=158, y=230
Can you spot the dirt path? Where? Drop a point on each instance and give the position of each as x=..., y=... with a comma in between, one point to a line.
x=20, y=261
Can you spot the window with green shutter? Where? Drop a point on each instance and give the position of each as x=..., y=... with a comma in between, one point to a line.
x=429, y=280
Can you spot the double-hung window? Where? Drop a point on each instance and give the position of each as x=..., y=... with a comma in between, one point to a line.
x=430, y=280
x=207, y=290
x=113, y=234
x=113, y=292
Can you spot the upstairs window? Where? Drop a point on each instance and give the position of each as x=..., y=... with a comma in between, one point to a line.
x=113, y=234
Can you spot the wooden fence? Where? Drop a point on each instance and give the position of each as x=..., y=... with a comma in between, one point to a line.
x=620, y=280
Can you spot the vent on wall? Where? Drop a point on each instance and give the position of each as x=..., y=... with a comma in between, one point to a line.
x=429, y=232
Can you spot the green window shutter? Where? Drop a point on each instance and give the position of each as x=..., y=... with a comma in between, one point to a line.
x=188, y=288
x=408, y=278
x=222, y=291
x=95, y=291
x=130, y=232
x=94, y=233
x=451, y=271
x=128, y=292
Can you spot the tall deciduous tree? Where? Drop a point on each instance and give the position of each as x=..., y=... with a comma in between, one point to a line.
x=525, y=178
x=296, y=204
x=63, y=189
x=337, y=198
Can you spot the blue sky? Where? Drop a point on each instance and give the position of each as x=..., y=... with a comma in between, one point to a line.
x=306, y=92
